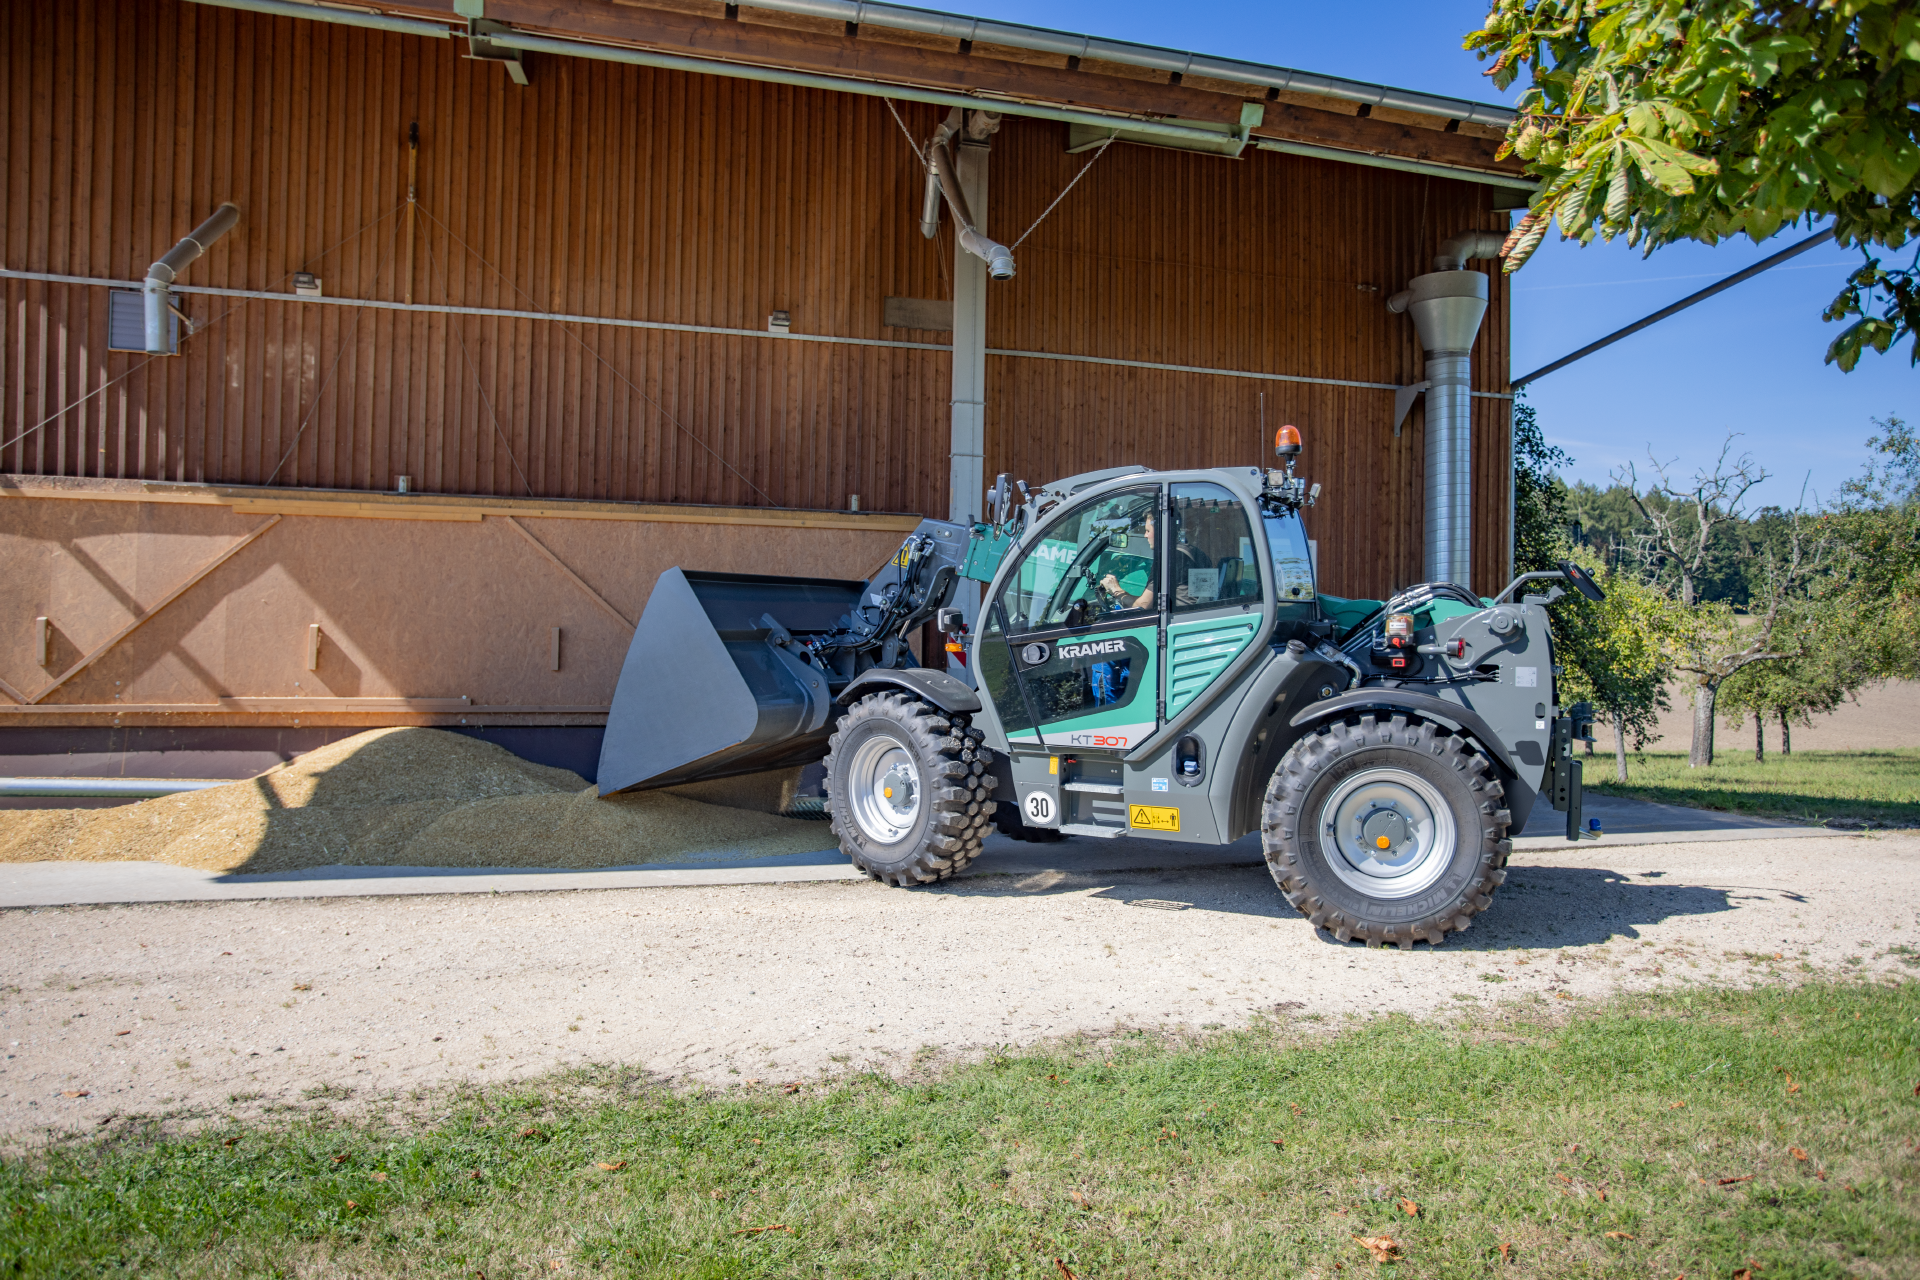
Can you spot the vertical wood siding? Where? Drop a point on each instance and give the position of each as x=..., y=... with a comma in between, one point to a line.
x=660, y=196
x=1269, y=264
x=598, y=190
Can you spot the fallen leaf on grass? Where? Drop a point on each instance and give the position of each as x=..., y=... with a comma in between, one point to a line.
x=475, y=1175
x=1411, y=1209
x=1618, y=1235
x=749, y=1231
x=1383, y=1248
x=230, y=1142
x=1601, y=1192
x=350, y=1204
x=1820, y=1174
x=76, y=1093
x=1061, y=1263
x=340, y=1159
x=1561, y=995
x=1727, y=1182
x=1743, y=1274
x=1079, y=1199
x=615, y=1167
x=532, y=1131
x=1797, y=1153
x=715, y=1194
x=1506, y=1252
x=1675, y=1106
x=1277, y=1142
x=379, y=1177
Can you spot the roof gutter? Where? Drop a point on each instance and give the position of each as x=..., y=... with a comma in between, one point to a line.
x=1065, y=43
x=1516, y=181
x=842, y=84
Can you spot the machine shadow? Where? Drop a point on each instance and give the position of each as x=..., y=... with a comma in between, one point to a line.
x=1539, y=908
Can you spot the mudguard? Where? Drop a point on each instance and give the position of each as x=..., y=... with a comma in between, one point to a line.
x=937, y=687
x=1422, y=704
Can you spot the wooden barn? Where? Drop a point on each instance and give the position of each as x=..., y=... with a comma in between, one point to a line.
x=529, y=300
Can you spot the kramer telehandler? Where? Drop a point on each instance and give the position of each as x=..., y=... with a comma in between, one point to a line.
x=1151, y=658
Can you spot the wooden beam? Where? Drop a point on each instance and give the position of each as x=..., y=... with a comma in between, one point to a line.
x=576, y=579
x=160, y=604
x=910, y=65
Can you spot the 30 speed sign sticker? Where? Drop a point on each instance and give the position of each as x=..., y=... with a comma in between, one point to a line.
x=1038, y=809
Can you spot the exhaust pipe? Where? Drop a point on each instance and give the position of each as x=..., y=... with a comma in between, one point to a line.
x=1447, y=306
x=162, y=275
x=998, y=257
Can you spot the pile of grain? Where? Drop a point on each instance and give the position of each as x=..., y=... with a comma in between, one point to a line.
x=414, y=798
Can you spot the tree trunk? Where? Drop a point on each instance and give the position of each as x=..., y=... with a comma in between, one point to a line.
x=1619, y=747
x=1759, y=738
x=1786, y=735
x=1700, y=753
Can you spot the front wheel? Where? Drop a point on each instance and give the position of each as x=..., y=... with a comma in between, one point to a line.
x=1386, y=829
x=906, y=789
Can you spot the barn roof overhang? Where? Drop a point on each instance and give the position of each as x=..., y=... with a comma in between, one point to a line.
x=1143, y=92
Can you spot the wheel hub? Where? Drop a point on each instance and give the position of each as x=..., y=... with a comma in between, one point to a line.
x=884, y=788
x=1388, y=833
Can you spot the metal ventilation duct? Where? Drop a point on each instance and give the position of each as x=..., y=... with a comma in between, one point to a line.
x=1447, y=306
x=163, y=274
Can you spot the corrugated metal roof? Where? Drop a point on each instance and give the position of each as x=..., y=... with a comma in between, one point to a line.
x=1068, y=44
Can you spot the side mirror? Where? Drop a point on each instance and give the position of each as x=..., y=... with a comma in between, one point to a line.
x=1582, y=581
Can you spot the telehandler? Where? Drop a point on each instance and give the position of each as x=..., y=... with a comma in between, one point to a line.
x=1151, y=658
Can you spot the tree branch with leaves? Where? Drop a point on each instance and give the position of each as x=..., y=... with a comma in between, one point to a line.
x=1664, y=120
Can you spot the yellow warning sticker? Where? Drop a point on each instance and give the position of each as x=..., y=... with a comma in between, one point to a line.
x=1153, y=817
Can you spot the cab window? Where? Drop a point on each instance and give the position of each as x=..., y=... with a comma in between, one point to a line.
x=1212, y=560
x=1292, y=564
x=1095, y=564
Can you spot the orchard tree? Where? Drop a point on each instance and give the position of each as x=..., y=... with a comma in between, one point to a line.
x=1668, y=120
x=1819, y=669
x=1708, y=640
x=1615, y=653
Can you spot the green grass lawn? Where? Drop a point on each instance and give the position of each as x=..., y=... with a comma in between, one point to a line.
x=1877, y=787
x=1700, y=1133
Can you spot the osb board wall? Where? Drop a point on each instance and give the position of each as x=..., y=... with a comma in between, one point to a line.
x=1268, y=264
x=598, y=190
x=407, y=609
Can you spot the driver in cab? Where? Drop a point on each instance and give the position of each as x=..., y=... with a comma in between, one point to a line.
x=1128, y=580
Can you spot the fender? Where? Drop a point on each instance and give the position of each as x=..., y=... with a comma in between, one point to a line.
x=1452, y=713
x=937, y=687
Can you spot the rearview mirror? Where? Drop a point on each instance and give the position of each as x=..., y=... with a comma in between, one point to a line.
x=1582, y=581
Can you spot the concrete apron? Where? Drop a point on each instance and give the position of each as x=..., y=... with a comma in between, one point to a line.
x=51, y=884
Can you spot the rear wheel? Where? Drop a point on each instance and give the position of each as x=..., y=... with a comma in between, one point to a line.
x=907, y=789
x=1386, y=829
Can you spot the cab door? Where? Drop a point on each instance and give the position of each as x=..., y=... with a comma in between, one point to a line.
x=1214, y=593
x=1069, y=649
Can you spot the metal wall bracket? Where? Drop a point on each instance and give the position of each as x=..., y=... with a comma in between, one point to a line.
x=480, y=47
x=1403, y=398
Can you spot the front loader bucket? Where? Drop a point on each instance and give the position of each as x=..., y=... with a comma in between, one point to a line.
x=703, y=695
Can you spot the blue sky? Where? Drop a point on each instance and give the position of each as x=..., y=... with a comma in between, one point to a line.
x=1747, y=361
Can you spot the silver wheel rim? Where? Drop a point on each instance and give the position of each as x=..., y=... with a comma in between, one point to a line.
x=884, y=789
x=1400, y=808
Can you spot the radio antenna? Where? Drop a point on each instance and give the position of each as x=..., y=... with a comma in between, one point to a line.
x=1260, y=455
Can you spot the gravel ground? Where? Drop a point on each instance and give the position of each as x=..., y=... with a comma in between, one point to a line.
x=244, y=1008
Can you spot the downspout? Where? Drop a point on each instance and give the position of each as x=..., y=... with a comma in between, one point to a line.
x=998, y=257
x=162, y=275
x=1447, y=305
